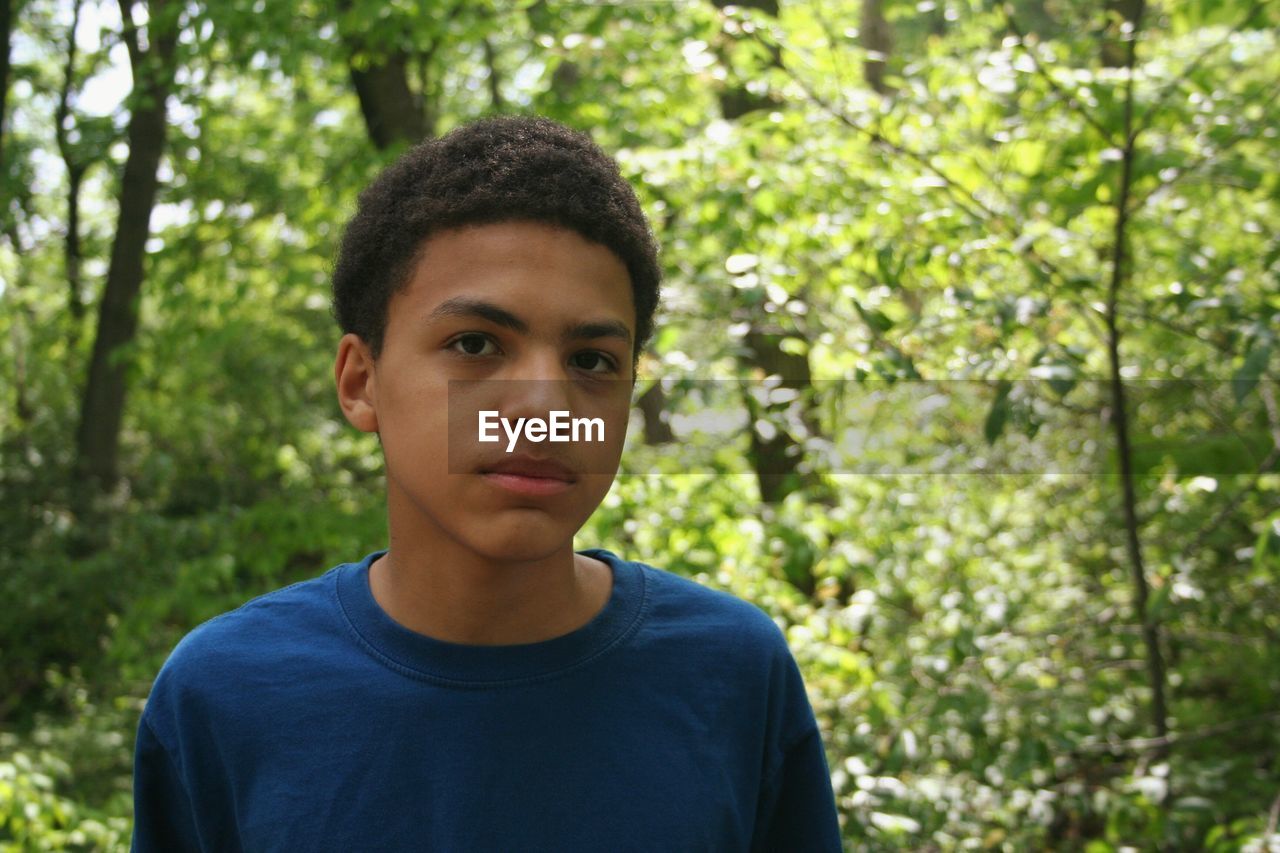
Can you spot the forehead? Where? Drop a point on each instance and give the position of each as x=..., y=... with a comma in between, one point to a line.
x=530, y=265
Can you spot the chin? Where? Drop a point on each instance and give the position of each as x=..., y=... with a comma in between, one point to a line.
x=508, y=540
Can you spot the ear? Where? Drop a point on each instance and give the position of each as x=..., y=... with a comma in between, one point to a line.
x=353, y=373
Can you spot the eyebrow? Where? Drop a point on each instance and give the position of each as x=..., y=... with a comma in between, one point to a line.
x=466, y=306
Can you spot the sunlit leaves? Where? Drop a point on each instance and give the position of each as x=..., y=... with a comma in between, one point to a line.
x=969, y=642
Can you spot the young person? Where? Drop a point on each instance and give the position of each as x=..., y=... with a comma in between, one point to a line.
x=479, y=685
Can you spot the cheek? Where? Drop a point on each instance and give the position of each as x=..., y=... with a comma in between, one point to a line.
x=413, y=423
x=602, y=457
x=591, y=491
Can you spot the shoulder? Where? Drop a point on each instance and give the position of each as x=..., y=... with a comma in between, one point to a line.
x=735, y=647
x=710, y=620
x=222, y=655
x=712, y=607
x=271, y=615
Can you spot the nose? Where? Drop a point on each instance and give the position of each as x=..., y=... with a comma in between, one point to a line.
x=537, y=364
x=536, y=385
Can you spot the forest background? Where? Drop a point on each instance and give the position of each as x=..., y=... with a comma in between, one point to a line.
x=981, y=298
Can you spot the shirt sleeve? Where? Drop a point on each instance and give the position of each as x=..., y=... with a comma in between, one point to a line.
x=162, y=814
x=797, y=811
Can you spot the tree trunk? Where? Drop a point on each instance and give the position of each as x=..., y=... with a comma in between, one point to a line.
x=71, y=253
x=1120, y=268
x=1040, y=18
x=495, y=81
x=6, y=33
x=1121, y=15
x=566, y=76
x=876, y=38
x=392, y=112
x=652, y=405
x=776, y=458
x=735, y=99
x=23, y=410
x=776, y=455
x=102, y=408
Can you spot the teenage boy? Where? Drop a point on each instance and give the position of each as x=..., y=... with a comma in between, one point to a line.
x=479, y=685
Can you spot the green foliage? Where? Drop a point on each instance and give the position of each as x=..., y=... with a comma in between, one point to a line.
x=968, y=633
x=65, y=783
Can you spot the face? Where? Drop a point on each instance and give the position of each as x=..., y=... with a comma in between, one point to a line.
x=520, y=318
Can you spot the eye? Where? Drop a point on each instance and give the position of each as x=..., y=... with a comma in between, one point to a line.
x=473, y=343
x=593, y=361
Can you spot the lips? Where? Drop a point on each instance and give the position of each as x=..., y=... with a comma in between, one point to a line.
x=527, y=466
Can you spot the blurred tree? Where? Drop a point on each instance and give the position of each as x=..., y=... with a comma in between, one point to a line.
x=379, y=60
x=769, y=349
x=1130, y=12
x=877, y=40
x=944, y=252
x=76, y=168
x=82, y=141
x=6, y=36
x=152, y=56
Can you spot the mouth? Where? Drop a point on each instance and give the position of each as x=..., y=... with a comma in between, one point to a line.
x=528, y=476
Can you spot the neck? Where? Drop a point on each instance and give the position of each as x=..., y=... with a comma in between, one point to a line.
x=435, y=585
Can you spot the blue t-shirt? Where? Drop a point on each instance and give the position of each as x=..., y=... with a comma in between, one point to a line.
x=308, y=719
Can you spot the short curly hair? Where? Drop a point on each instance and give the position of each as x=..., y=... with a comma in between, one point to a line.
x=496, y=169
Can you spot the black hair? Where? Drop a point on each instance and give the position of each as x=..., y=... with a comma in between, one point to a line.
x=493, y=170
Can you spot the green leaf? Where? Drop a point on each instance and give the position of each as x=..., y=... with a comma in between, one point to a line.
x=1028, y=156
x=1268, y=544
x=998, y=416
x=1158, y=603
x=794, y=346
x=1254, y=366
x=888, y=270
x=874, y=318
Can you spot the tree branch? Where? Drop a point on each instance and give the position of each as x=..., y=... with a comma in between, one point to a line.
x=1007, y=8
x=978, y=213
x=1272, y=817
x=1168, y=92
x=1207, y=159
x=495, y=83
x=76, y=169
x=1119, y=417
x=129, y=32
x=1138, y=313
x=1163, y=742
